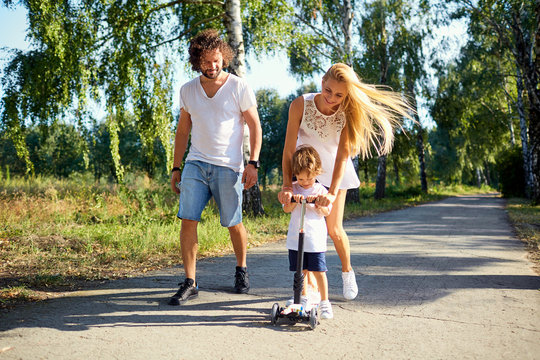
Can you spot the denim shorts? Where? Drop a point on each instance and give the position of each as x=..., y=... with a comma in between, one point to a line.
x=312, y=261
x=201, y=181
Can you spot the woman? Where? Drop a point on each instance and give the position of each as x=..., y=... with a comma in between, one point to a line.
x=345, y=119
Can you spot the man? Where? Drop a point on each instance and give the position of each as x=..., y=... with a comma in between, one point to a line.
x=214, y=107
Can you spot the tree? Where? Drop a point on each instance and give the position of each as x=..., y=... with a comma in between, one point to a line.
x=394, y=54
x=469, y=110
x=517, y=26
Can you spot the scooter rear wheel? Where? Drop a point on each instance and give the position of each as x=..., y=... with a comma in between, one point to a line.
x=313, y=318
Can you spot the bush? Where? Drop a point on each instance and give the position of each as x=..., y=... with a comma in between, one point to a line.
x=511, y=173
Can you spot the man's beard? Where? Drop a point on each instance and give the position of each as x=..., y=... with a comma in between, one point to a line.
x=211, y=77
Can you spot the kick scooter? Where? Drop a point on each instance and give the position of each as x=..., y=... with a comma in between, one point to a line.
x=295, y=312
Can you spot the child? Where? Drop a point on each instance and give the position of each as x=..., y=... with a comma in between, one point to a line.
x=306, y=165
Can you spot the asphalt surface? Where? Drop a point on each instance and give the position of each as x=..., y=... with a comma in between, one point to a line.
x=444, y=280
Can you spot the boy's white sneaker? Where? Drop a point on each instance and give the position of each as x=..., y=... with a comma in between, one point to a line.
x=325, y=310
x=303, y=301
x=350, y=289
x=314, y=297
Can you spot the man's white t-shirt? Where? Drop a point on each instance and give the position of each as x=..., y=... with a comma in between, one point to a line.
x=217, y=130
x=315, y=232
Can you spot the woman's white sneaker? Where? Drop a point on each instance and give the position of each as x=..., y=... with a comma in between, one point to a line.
x=350, y=289
x=325, y=310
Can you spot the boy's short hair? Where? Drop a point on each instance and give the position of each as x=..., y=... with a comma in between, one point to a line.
x=306, y=158
x=208, y=40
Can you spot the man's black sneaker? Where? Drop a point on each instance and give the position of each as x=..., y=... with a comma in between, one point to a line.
x=241, y=280
x=188, y=290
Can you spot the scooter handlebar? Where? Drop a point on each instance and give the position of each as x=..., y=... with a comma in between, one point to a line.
x=309, y=202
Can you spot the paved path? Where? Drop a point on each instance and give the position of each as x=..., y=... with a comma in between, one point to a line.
x=445, y=280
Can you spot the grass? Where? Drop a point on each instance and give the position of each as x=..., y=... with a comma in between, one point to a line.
x=526, y=221
x=58, y=235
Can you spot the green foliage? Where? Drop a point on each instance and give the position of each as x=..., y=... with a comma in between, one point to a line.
x=511, y=173
x=319, y=36
x=471, y=112
x=273, y=112
x=267, y=25
x=63, y=150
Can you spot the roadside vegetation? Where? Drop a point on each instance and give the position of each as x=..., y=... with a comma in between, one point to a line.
x=526, y=221
x=59, y=235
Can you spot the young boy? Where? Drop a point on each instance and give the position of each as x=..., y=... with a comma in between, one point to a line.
x=306, y=165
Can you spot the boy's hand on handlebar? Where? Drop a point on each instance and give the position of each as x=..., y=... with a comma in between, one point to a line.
x=298, y=198
x=311, y=198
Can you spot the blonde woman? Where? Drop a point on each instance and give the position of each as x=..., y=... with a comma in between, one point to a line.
x=347, y=118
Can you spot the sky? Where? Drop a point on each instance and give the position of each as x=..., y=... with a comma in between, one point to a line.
x=261, y=73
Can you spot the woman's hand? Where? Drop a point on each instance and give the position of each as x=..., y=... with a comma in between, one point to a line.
x=285, y=195
x=325, y=200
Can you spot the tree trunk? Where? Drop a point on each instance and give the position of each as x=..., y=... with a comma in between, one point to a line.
x=380, y=185
x=527, y=53
x=509, y=101
x=381, y=167
x=421, y=157
x=366, y=172
x=353, y=195
x=396, y=170
x=419, y=138
x=478, y=177
x=252, y=201
x=346, y=20
x=524, y=133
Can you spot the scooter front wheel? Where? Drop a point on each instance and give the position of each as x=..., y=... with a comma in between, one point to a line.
x=274, y=314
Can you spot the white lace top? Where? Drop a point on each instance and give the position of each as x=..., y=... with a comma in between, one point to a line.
x=323, y=132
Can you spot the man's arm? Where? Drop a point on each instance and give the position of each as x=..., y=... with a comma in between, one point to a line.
x=251, y=116
x=180, y=145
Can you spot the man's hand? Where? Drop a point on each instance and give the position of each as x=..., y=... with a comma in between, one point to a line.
x=175, y=179
x=250, y=176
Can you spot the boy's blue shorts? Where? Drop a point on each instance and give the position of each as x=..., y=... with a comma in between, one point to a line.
x=312, y=261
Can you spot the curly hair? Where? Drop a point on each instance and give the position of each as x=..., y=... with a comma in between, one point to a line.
x=306, y=158
x=205, y=41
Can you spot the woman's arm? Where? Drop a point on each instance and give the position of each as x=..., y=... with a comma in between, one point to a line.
x=295, y=118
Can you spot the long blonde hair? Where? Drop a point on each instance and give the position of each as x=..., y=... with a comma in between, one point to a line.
x=372, y=112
